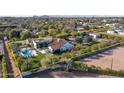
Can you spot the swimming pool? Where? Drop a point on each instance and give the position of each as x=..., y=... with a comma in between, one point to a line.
x=27, y=52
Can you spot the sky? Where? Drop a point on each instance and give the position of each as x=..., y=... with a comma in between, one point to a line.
x=61, y=7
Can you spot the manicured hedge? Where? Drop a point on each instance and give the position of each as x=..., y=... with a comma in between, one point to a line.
x=107, y=71
x=93, y=69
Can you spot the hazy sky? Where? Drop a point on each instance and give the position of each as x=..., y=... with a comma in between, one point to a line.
x=61, y=7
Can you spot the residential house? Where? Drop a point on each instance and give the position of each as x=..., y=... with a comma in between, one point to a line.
x=80, y=28
x=60, y=45
x=41, y=42
x=117, y=30
x=110, y=32
x=5, y=38
x=94, y=35
x=66, y=47
x=71, y=39
x=121, y=33
x=56, y=45
x=110, y=25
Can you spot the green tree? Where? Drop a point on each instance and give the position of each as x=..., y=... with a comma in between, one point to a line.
x=48, y=60
x=79, y=66
x=94, y=47
x=79, y=40
x=1, y=35
x=87, y=39
x=14, y=34
x=26, y=34
x=86, y=27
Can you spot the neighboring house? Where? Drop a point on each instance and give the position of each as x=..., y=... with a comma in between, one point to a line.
x=69, y=27
x=71, y=39
x=5, y=38
x=110, y=32
x=110, y=25
x=100, y=26
x=121, y=33
x=95, y=35
x=118, y=30
x=80, y=28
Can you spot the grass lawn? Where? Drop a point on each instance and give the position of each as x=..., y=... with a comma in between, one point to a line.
x=39, y=57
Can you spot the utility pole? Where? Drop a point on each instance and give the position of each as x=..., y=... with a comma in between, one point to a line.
x=112, y=60
x=112, y=63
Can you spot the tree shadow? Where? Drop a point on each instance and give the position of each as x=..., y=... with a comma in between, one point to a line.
x=99, y=55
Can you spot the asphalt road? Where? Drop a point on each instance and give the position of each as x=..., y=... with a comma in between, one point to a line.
x=0, y=71
x=64, y=74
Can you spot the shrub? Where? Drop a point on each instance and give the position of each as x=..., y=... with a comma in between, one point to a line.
x=107, y=71
x=79, y=66
x=4, y=73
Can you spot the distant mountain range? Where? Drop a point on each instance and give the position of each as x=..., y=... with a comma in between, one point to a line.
x=67, y=16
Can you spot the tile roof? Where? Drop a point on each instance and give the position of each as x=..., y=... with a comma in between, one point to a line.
x=57, y=44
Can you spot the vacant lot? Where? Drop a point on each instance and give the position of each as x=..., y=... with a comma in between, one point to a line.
x=111, y=58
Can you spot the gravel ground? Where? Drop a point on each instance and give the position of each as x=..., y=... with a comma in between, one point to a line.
x=113, y=57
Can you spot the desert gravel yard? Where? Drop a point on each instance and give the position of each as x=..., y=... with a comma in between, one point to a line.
x=111, y=58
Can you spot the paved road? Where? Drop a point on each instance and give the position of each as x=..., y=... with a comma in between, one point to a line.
x=64, y=74
x=0, y=71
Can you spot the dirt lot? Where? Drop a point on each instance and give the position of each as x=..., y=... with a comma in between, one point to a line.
x=64, y=74
x=111, y=58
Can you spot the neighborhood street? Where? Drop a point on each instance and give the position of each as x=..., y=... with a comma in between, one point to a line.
x=66, y=74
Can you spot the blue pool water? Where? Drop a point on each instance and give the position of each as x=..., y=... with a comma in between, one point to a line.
x=26, y=53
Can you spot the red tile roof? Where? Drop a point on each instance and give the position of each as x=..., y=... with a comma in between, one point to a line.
x=57, y=44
